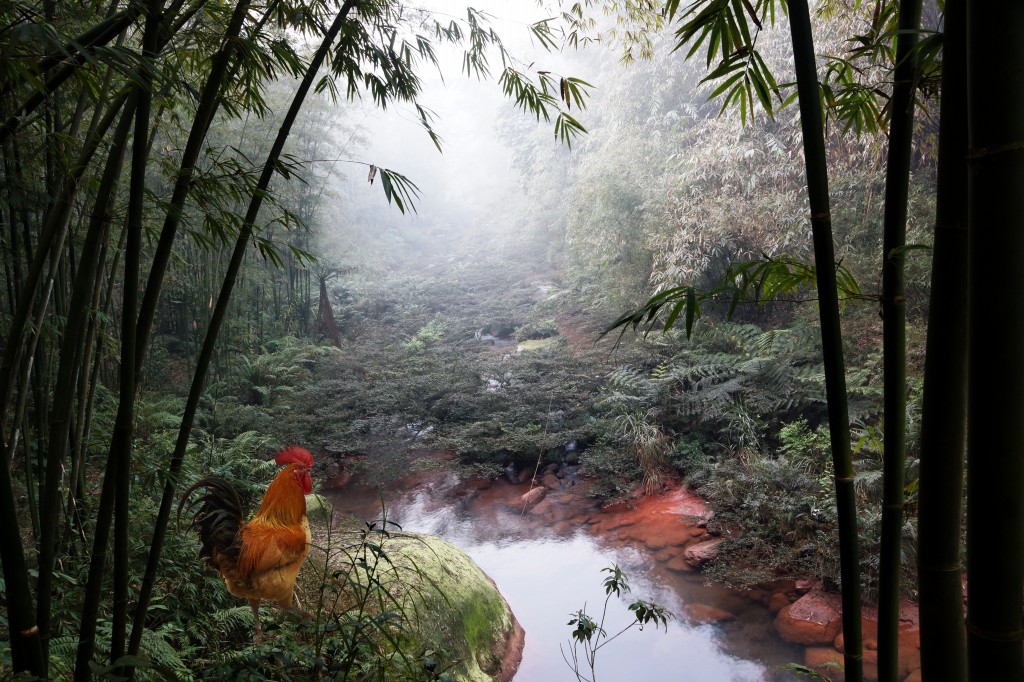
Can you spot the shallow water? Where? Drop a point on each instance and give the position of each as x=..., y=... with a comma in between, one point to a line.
x=547, y=563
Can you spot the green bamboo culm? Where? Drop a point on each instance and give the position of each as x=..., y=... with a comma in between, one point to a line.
x=15, y=369
x=812, y=129
x=115, y=492
x=209, y=102
x=217, y=320
x=26, y=645
x=995, y=398
x=894, y=335
x=940, y=592
x=129, y=375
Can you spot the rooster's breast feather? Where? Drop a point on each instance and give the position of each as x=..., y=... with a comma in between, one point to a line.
x=269, y=546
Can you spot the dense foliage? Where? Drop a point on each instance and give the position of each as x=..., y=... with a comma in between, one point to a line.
x=227, y=295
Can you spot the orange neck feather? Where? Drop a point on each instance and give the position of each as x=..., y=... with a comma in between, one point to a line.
x=284, y=502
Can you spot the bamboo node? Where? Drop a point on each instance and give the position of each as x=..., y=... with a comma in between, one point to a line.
x=994, y=636
x=940, y=567
x=994, y=150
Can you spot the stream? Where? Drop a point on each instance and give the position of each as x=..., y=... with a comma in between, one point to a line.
x=547, y=561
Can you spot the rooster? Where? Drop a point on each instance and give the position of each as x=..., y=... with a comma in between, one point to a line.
x=259, y=559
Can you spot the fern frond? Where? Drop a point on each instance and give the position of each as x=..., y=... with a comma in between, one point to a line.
x=164, y=657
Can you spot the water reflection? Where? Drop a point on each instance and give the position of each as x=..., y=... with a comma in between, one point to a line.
x=548, y=565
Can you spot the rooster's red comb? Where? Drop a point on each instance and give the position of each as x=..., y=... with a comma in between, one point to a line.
x=293, y=453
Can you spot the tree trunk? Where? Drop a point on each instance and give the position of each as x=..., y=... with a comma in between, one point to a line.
x=894, y=332
x=812, y=129
x=943, y=639
x=325, y=318
x=995, y=400
x=217, y=319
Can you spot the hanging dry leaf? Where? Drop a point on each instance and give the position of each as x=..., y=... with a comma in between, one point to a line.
x=373, y=174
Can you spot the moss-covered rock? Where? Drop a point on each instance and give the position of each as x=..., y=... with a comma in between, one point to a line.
x=444, y=608
x=318, y=509
x=461, y=611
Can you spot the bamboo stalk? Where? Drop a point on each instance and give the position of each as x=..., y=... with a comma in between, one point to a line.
x=812, y=129
x=49, y=503
x=943, y=639
x=894, y=328
x=217, y=320
x=995, y=399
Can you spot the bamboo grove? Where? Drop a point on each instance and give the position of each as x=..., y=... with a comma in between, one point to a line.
x=123, y=158
x=121, y=151
x=969, y=334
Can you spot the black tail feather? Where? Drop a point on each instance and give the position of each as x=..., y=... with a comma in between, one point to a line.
x=217, y=516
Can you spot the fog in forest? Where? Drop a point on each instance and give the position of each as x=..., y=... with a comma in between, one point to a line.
x=471, y=191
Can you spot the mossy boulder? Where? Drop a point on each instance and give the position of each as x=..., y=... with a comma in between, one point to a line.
x=451, y=612
x=535, y=344
x=461, y=611
x=318, y=509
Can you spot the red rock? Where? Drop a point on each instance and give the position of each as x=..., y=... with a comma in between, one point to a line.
x=870, y=664
x=826, y=661
x=803, y=586
x=657, y=522
x=909, y=660
x=548, y=510
x=813, y=619
x=659, y=538
x=777, y=602
x=533, y=497
x=702, y=613
x=914, y=676
x=702, y=552
x=551, y=481
x=692, y=505
x=910, y=638
x=909, y=657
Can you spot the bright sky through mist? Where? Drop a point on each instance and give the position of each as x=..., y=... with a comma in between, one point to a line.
x=470, y=180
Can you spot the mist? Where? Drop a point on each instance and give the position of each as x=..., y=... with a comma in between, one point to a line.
x=471, y=191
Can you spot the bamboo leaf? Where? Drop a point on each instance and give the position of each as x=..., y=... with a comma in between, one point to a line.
x=399, y=190
x=725, y=85
x=677, y=309
x=738, y=19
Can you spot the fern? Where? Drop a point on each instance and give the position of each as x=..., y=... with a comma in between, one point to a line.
x=62, y=656
x=164, y=658
x=233, y=619
x=630, y=380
